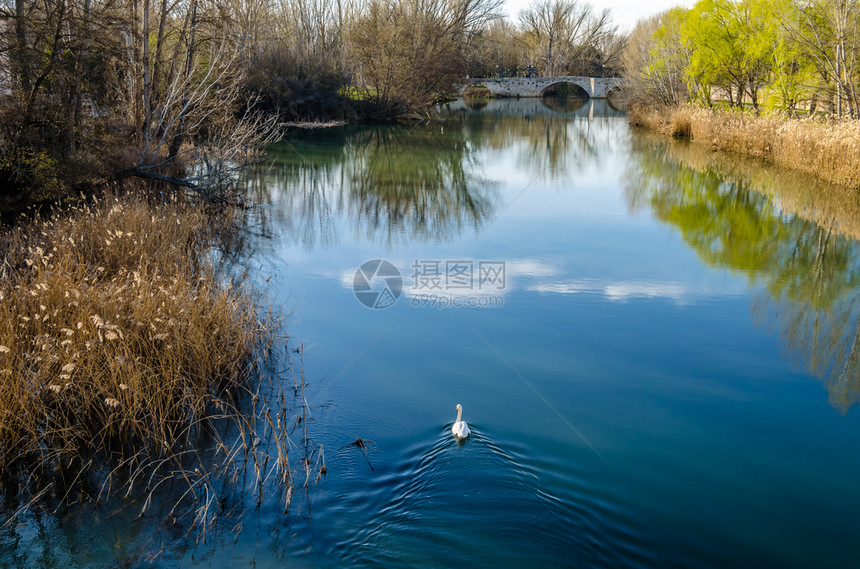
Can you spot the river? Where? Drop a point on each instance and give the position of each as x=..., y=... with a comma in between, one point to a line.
x=656, y=347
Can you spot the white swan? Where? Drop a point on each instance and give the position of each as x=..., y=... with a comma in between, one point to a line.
x=460, y=428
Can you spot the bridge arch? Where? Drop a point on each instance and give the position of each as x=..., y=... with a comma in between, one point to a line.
x=565, y=88
x=595, y=87
x=476, y=90
x=615, y=92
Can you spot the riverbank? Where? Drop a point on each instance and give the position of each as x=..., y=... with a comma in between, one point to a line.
x=312, y=124
x=832, y=207
x=828, y=150
x=125, y=352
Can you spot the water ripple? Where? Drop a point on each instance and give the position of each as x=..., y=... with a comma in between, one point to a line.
x=483, y=504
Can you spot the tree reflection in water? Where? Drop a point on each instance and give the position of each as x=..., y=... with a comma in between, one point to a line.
x=421, y=181
x=392, y=182
x=558, y=138
x=794, y=235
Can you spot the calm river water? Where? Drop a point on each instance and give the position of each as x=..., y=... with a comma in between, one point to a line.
x=657, y=348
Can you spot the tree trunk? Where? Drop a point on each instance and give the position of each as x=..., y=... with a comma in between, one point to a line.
x=838, y=84
x=21, y=49
x=549, y=67
x=77, y=95
x=753, y=93
x=159, y=54
x=178, y=137
x=55, y=50
x=147, y=95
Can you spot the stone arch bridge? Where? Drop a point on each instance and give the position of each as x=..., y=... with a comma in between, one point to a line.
x=594, y=87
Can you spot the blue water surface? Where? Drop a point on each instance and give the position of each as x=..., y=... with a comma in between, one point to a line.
x=664, y=378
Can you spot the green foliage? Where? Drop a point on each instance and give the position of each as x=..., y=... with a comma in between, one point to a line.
x=793, y=71
x=711, y=48
x=730, y=44
x=782, y=54
x=28, y=176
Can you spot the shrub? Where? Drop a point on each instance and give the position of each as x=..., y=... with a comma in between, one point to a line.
x=28, y=176
x=122, y=344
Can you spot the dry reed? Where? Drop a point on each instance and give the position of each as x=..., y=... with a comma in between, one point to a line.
x=120, y=343
x=829, y=150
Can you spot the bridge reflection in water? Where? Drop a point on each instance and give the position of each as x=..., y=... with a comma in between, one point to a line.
x=550, y=106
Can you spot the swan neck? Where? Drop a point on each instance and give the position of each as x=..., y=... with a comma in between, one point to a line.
x=459, y=413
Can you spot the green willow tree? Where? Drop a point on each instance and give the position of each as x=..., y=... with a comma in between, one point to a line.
x=793, y=71
x=730, y=49
x=785, y=54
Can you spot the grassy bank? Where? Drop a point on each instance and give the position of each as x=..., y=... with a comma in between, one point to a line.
x=829, y=150
x=122, y=347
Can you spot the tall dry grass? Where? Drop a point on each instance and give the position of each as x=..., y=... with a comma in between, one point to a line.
x=829, y=150
x=121, y=345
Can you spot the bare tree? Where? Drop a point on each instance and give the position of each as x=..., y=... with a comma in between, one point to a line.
x=829, y=31
x=407, y=52
x=100, y=88
x=563, y=31
x=498, y=47
x=654, y=64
